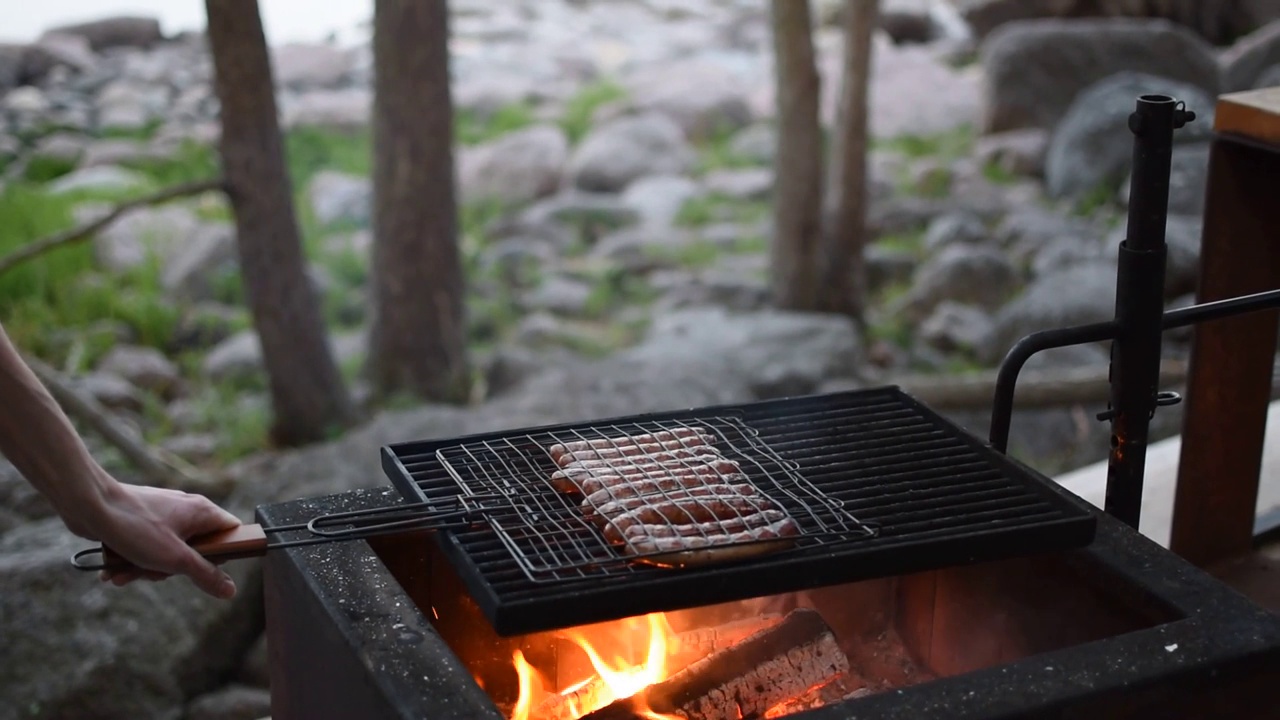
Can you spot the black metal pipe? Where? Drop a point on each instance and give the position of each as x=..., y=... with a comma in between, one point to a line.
x=1219, y=309
x=1135, y=352
x=1019, y=354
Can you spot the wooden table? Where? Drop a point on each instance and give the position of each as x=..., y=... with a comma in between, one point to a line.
x=1230, y=372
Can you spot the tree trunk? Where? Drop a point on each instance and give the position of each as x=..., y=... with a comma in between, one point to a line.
x=418, y=339
x=797, y=208
x=841, y=257
x=308, y=397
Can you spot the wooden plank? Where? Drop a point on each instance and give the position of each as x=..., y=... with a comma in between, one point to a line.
x=1231, y=360
x=1254, y=114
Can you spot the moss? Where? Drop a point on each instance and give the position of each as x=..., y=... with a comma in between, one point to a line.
x=707, y=209
x=471, y=128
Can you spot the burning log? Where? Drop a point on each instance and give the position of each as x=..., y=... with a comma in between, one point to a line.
x=592, y=693
x=842, y=688
x=746, y=680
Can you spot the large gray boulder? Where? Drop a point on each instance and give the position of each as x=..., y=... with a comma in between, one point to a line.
x=1093, y=144
x=1246, y=62
x=1076, y=295
x=1036, y=68
x=620, y=151
x=114, y=32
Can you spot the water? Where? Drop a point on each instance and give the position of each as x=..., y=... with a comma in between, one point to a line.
x=284, y=20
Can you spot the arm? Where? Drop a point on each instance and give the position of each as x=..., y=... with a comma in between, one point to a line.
x=148, y=526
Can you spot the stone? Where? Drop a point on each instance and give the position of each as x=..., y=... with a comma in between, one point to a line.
x=955, y=327
x=1188, y=178
x=76, y=647
x=205, y=324
x=115, y=32
x=755, y=143
x=1036, y=68
x=559, y=295
x=65, y=147
x=1061, y=252
x=12, y=58
x=968, y=274
x=641, y=249
x=118, y=151
x=191, y=270
x=131, y=240
x=955, y=228
x=342, y=109
x=717, y=287
x=102, y=177
x=888, y=267
x=130, y=105
x=913, y=93
x=238, y=358
x=1093, y=146
x=233, y=702
x=255, y=671
x=26, y=100
x=194, y=447
x=658, y=199
x=702, y=98
x=147, y=368
x=1182, y=258
x=591, y=213
x=740, y=183
x=1269, y=79
x=54, y=52
x=112, y=391
x=616, y=153
x=1017, y=152
x=310, y=65
x=340, y=197
x=1075, y=295
x=1245, y=63
x=516, y=168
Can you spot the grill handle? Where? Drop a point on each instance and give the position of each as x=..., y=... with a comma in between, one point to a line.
x=245, y=541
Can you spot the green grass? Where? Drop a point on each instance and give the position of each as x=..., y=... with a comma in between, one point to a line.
x=717, y=153
x=707, y=209
x=578, y=111
x=472, y=128
x=949, y=145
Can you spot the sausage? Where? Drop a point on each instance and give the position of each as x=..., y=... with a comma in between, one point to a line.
x=590, y=475
x=629, y=455
x=691, y=511
x=648, y=543
x=652, y=441
x=733, y=493
x=660, y=487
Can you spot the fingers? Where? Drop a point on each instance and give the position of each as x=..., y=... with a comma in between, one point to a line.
x=207, y=576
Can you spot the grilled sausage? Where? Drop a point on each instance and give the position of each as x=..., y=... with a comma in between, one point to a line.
x=644, y=544
x=589, y=476
x=617, y=506
x=692, y=511
x=652, y=442
x=632, y=454
x=658, y=488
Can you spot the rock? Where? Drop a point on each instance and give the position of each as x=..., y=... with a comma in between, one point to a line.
x=508, y=367
x=20, y=496
x=26, y=100
x=908, y=21
x=1027, y=229
x=112, y=391
x=775, y=353
x=1188, y=178
x=195, y=447
x=1093, y=145
x=61, y=147
x=147, y=368
x=238, y=358
x=717, y=287
x=1182, y=259
x=702, y=98
x=54, y=51
x=1017, y=152
x=75, y=647
x=1036, y=68
x=129, y=241
x=344, y=109
x=913, y=93
x=118, y=151
x=658, y=199
x=102, y=177
x=740, y=184
x=204, y=325
x=591, y=213
x=256, y=669
x=1245, y=62
x=12, y=57
x=1269, y=78
x=955, y=327
x=887, y=267
x=1061, y=252
x=516, y=168
x=1076, y=295
x=190, y=271
x=309, y=65
x=234, y=702
x=340, y=197
x=755, y=143
x=641, y=249
x=129, y=105
x=560, y=295
x=955, y=228
x=115, y=32
x=616, y=153
x=964, y=273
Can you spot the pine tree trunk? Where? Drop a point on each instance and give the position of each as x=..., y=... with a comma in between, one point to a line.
x=843, y=268
x=418, y=338
x=309, y=400
x=797, y=209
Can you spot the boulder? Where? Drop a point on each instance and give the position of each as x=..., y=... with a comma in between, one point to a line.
x=1075, y=295
x=115, y=32
x=702, y=98
x=1092, y=146
x=1017, y=152
x=233, y=702
x=12, y=57
x=75, y=647
x=1036, y=68
x=1246, y=62
x=101, y=177
x=516, y=168
x=955, y=327
x=969, y=274
x=658, y=199
x=311, y=65
x=133, y=239
x=1188, y=178
x=340, y=197
x=191, y=271
x=740, y=183
x=618, y=152
x=147, y=368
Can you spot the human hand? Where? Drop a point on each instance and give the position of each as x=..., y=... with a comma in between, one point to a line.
x=150, y=528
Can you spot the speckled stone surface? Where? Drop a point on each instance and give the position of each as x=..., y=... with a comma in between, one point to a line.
x=360, y=648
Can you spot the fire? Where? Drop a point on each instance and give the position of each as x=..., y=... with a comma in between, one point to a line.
x=613, y=680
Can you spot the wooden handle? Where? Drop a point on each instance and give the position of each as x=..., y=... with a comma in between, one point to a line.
x=244, y=541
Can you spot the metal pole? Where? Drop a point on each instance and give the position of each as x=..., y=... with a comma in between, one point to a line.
x=1135, y=352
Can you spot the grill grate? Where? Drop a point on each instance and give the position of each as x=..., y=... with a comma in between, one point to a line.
x=935, y=495
x=553, y=540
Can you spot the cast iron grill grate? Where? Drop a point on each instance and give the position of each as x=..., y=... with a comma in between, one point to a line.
x=935, y=495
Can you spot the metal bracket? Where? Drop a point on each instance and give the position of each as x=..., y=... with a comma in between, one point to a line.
x=1163, y=399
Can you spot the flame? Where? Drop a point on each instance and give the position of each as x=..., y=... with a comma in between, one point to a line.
x=619, y=678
